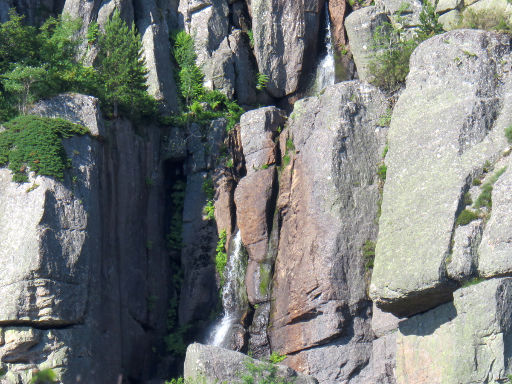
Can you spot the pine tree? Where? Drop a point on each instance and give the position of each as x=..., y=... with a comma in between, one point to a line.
x=122, y=70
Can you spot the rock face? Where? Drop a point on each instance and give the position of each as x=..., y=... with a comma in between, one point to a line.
x=456, y=104
x=466, y=341
x=76, y=253
x=361, y=26
x=327, y=205
x=285, y=41
x=223, y=49
x=214, y=365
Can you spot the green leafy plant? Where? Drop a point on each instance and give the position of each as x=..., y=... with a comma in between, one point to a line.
x=250, y=34
x=93, y=31
x=262, y=373
x=32, y=143
x=193, y=94
x=221, y=257
x=368, y=254
x=276, y=358
x=508, y=134
x=429, y=21
x=261, y=81
x=466, y=217
x=385, y=120
x=45, y=376
x=485, y=197
x=473, y=281
x=382, y=171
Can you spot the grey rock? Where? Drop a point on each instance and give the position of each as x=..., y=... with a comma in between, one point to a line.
x=204, y=145
x=259, y=344
x=456, y=111
x=199, y=290
x=462, y=264
x=320, y=312
x=208, y=25
x=410, y=16
x=467, y=341
x=383, y=323
x=174, y=145
x=258, y=130
x=214, y=365
x=150, y=16
x=79, y=294
x=219, y=69
x=245, y=70
x=447, y=5
x=4, y=10
x=285, y=41
x=495, y=251
x=77, y=108
x=450, y=20
x=361, y=26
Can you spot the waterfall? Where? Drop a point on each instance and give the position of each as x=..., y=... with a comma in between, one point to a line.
x=325, y=72
x=233, y=294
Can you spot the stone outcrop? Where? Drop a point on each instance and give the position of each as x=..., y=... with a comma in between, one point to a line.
x=466, y=341
x=214, y=365
x=76, y=254
x=327, y=205
x=285, y=41
x=455, y=107
x=361, y=26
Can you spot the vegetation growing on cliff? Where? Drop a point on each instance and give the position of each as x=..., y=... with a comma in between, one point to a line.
x=121, y=70
x=32, y=143
x=394, y=45
x=37, y=63
x=198, y=105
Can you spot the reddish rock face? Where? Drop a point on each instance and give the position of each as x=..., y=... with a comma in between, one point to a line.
x=327, y=205
x=253, y=200
x=337, y=13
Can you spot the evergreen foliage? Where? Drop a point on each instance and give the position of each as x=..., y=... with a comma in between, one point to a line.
x=198, y=105
x=122, y=71
x=32, y=143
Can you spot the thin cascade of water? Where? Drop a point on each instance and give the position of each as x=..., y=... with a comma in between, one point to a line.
x=326, y=70
x=233, y=274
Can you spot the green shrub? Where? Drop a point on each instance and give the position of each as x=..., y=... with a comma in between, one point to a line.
x=393, y=46
x=368, y=254
x=250, y=34
x=122, y=70
x=93, y=31
x=221, y=257
x=276, y=358
x=466, y=217
x=429, y=21
x=32, y=143
x=485, y=197
x=508, y=134
x=192, y=92
x=473, y=281
x=382, y=171
x=265, y=279
x=262, y=373
x=45, y=376
x=261, y=81
x=390, y=65
x=385, y=119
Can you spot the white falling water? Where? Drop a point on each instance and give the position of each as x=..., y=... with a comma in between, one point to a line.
x=233, y=274
x=325, y=73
